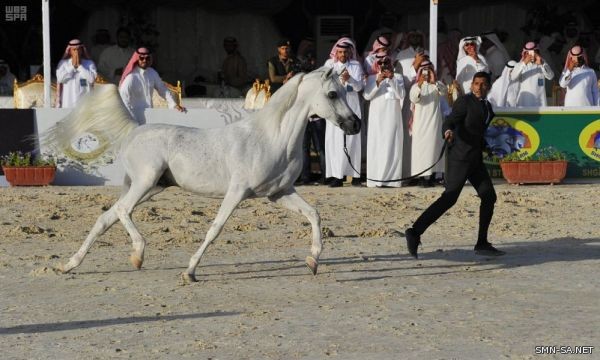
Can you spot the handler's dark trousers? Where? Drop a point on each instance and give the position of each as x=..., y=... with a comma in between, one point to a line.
x=456, y=175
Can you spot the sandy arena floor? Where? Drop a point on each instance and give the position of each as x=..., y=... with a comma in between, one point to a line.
x=257, y=300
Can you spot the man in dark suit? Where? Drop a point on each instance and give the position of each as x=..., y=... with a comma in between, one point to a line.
x=464, y=131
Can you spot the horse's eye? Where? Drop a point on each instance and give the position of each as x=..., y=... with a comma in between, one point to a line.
x=332, y=95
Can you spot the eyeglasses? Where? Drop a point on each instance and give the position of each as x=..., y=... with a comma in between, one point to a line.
x=469, y=44
x=144, y=57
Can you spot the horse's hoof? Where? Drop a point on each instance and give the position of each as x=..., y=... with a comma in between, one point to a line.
x=189, y=278
x=62, y=268
x=312, y=264
x=136, y=261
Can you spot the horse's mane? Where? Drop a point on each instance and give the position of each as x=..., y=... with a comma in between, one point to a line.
x=101, y=113
x=280, y=102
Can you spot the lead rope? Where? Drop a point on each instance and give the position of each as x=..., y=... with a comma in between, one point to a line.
x=401, y=179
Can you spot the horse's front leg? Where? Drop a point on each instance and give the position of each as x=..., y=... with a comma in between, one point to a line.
x=233, y=197
x=292, y=200
x=104, y=221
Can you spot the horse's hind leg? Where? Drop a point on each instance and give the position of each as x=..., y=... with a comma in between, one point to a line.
x=230, y=202
x=291, y=200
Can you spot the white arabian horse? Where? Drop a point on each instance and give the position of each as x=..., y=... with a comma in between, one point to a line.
x=256, y=157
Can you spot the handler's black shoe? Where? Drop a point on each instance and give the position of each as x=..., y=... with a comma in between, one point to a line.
x=486, y=249
x=412, y=242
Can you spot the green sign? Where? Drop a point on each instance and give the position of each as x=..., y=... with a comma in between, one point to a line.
x=575, y=133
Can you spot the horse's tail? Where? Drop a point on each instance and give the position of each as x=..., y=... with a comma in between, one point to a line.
x=100, y=118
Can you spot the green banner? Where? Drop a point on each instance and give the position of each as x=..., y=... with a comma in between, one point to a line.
x=575, y=133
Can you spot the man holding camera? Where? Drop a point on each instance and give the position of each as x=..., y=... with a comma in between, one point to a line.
x=344, y=63
x=281, y=66
x=427, y=96
x=531, y=72
x=579, y=80
x=385, y=138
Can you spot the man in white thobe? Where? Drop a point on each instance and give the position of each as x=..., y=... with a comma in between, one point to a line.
x=469, y=62
x=531, y=72
x=114, y=58
x=139, y=81
x=579, y=80
x=385, y=138
x=75, y=74
x=343, y=61
x=504, y=90
x=429, y=98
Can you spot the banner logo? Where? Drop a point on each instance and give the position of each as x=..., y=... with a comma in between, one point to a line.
x=589, y=140
x=506, y=136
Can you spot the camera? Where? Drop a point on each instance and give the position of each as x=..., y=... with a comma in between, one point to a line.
x=385, y=64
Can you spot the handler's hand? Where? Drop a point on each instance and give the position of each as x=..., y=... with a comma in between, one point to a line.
x=449, y=136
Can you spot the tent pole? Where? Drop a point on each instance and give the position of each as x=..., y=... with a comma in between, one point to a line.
x=46, y=41
x=433, y=31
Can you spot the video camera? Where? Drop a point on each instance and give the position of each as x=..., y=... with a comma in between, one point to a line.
x=385, y=64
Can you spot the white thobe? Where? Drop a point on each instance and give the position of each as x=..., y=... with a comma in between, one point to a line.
x=113, y=58
x=466, y=67
x=427, y=140
x=532, y=83
x=136, y=92
x=386, y=135
x=405, y=59
x=75, y=82
x=504, y=90
x=582, y=86
x=336, y=163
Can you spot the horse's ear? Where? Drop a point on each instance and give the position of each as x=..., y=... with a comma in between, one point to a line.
x=327, y=73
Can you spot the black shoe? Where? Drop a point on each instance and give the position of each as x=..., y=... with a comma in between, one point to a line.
x=425, y=183
x=336, y=183
x=412, y=242
x=356, y=182
x=486, y=249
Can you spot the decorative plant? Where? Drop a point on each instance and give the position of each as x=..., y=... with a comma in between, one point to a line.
x=20, y=159
x=548, y=153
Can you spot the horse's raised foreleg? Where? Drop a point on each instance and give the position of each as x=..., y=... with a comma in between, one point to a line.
x=230, y=202
x=291, y=200
x=105, y=221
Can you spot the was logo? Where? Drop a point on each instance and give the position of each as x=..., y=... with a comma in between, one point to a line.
x=589, y=140
x=506, y=136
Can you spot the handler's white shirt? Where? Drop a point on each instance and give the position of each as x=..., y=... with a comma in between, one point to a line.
x=75, y=81
x=136, y=91
x=581, y=85
x=532, y=84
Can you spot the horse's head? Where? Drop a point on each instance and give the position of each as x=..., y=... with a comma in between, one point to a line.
x=329, y=101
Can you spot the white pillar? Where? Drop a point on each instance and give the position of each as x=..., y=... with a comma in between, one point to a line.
x=46, y=40
x=433, y=30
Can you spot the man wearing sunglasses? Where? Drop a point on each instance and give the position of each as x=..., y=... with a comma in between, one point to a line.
x=469, y=62
x=138, y=82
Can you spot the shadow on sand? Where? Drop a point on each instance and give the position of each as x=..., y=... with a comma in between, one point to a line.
x=88, y=324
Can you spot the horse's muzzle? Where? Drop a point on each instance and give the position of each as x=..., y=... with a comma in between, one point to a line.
x=352, y=126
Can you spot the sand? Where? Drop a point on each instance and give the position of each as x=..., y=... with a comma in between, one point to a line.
x=255, y=298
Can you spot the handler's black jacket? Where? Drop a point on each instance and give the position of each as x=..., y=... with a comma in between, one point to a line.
x=468, y=122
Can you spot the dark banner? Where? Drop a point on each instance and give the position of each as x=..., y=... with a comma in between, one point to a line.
x=16, y=128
